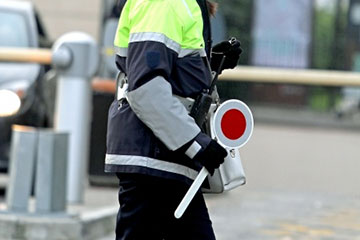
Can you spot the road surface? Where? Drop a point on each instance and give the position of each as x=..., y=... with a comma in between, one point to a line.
x=303, y=184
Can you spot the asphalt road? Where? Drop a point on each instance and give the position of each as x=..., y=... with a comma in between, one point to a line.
x=303, y=183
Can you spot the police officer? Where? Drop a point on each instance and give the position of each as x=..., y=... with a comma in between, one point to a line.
x=153, y=145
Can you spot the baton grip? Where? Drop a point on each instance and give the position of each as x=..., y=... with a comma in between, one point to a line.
x=195, y=186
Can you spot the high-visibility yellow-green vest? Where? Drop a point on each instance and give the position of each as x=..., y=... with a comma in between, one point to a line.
x=176, y=23
x=160, y=46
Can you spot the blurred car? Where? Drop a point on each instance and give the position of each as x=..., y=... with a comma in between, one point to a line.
x=21, y=98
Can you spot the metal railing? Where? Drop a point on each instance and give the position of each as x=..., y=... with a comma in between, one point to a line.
x=45, y=56
x=42, y=56
x=292, y=76
x=241, y=73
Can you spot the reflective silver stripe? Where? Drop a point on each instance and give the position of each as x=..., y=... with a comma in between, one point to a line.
x=193, y=149
x=121, y=51
x=162, y=38
x=189, y=52
x=156, y=37
x=163, y=113
x=128, y=160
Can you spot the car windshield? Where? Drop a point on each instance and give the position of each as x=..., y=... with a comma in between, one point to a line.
x=13, y=30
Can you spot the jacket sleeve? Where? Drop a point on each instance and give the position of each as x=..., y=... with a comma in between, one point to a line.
x=152, y=54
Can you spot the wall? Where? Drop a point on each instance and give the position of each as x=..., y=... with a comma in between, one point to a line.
x=62, y=16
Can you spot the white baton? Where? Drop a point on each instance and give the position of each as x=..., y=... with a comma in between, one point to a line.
x=191, y=193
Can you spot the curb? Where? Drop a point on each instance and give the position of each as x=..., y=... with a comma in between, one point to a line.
x=88, y=226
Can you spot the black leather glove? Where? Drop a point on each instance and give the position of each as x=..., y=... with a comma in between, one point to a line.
x=212, y=156
x=231, y=49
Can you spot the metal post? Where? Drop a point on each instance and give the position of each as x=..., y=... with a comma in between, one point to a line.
x=22, y=162
x=50, y=187
x=73, y=103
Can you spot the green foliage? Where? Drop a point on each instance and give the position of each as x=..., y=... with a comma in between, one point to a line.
x=329, y=43
x=238, y=15
x=325, y=55
x=323, y=39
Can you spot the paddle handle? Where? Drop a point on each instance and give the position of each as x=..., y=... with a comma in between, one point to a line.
x=191, y=193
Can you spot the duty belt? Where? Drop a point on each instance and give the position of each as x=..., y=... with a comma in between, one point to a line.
x=122, y=89
x=187, y=102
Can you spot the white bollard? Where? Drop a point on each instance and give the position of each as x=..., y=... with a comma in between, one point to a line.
x=73, y=104
x=22, y=162
x=50, y=186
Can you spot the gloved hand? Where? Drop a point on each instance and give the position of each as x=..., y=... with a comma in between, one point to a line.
x=212, y=156
x=231, y=49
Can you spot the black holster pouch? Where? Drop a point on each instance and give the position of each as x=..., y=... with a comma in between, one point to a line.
x=201, y=107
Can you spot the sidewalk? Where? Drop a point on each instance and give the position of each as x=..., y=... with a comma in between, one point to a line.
x=91, y=220
x=303, y=117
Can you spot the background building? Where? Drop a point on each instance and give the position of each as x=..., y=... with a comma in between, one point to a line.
x=64, y=16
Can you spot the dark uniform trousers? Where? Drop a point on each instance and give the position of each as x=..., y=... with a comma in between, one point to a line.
x=147, y=206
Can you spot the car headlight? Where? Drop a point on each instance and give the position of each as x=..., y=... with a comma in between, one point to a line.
x=9, y=103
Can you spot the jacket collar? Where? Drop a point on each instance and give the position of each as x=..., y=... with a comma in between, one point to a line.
x=207, y=26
